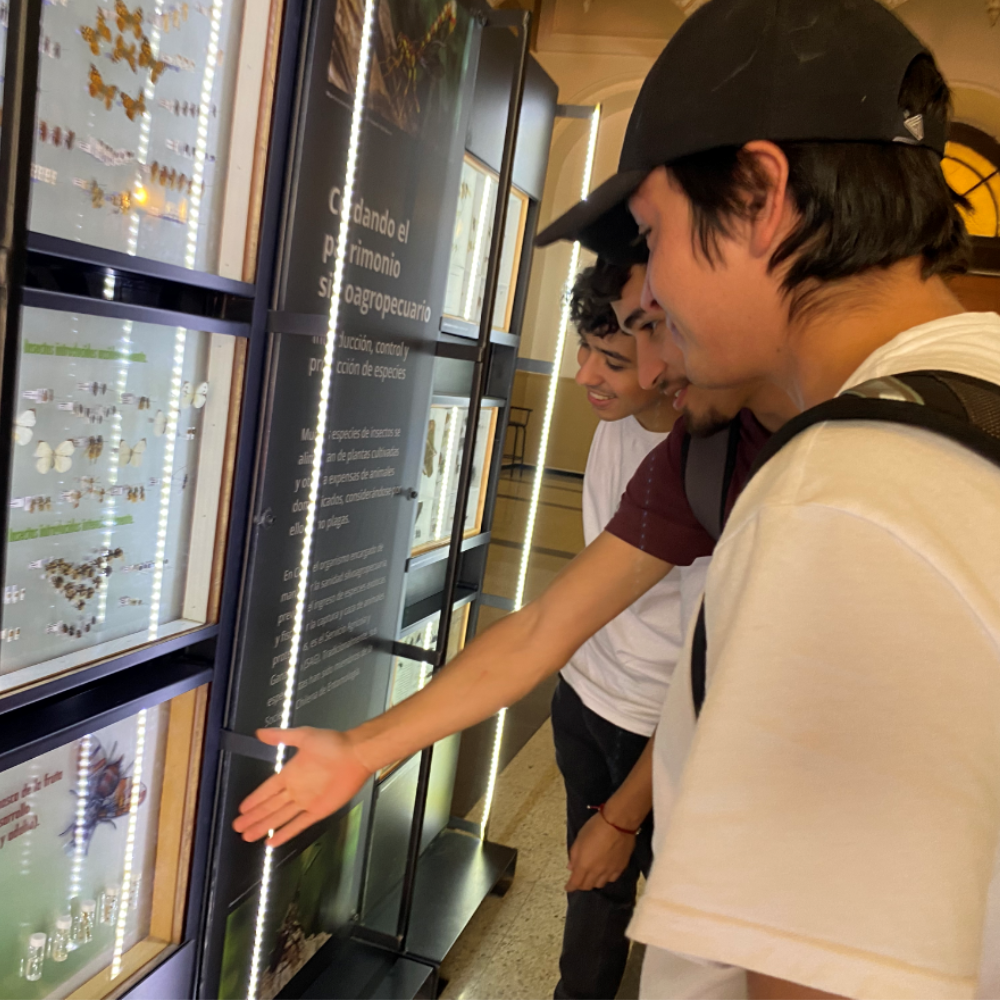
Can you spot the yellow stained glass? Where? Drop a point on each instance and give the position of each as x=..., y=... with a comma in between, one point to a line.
x=971, y=174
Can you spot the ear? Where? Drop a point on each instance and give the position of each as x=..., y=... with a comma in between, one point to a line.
x=774, y=218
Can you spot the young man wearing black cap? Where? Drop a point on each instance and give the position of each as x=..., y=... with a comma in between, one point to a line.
x=835, y=825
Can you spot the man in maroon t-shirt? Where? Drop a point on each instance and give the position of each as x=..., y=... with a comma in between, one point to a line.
x=654, y=530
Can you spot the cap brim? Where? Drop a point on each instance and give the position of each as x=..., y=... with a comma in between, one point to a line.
x=602, y=222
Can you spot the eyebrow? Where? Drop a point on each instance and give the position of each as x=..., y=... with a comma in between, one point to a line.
x=612, y=354
x=633, y=317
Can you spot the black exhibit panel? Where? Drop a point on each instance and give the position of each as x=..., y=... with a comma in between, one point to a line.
x=364, y=261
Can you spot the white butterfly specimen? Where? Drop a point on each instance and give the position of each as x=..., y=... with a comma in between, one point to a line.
x=22, y=427
x=159, y=423
x=194, y=397
x=131, y=456
x=58, y=458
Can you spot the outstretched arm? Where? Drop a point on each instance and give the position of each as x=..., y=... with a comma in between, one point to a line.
x=494, y=671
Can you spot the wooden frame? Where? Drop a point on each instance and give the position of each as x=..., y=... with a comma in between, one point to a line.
x=174, y=843
x=484, y=447
x=510, y=252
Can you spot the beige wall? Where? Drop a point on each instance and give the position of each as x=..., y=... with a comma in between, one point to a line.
x=573, y=422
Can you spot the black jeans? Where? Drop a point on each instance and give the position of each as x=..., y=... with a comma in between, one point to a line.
x=595, y=757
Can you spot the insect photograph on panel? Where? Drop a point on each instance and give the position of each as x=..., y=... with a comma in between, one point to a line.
x=108, y=796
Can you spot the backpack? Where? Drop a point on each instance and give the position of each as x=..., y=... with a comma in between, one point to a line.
x=960, y=407
x=707, y=466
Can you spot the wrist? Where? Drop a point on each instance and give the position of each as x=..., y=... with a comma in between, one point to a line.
x=601, y=810
x=363, y=749
x=621, y=813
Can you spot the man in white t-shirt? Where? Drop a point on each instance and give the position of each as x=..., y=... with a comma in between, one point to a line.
x=832, y=826
x=610, y=694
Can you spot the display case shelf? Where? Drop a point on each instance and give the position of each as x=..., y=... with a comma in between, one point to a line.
x=55, y=246
x=440, y=554
x=452, y=327
x=421, y=612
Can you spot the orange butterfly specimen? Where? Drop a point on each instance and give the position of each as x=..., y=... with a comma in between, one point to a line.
x=101, y=90
x=156, y=66
x=126, y=20
x=103, y=31
x=133, y=107
x=92, y=38
x=123, y=51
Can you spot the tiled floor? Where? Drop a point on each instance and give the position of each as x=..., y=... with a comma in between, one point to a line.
x=510, y=950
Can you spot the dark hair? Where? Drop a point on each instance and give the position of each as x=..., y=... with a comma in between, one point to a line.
x=594, y=290
x=861, y=205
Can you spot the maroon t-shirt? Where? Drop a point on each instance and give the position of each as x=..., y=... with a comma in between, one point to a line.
x=654, y=514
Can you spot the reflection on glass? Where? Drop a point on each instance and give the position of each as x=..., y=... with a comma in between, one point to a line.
x=437, y=496
x=470, y=249
x=94, y=813
x=118, y=459
x=135, y=122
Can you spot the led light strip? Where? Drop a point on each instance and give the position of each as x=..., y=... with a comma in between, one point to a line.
x=80, y=826
x=536, y=487
x=166, y=486
x=449, y=468
x=201, y=147
x=125, y=901
x=319, y=449
x=470, y=297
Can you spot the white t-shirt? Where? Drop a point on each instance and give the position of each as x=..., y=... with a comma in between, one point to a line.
x=623, y=671
x=836, y=817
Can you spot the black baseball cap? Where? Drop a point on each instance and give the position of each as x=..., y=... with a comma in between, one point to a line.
x=739, y=70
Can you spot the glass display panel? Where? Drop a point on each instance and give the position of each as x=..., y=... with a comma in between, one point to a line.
x=147, y=127
x=437, y=496
x=410, y=676
x=120, y=471
x=470, y=248
x=94, y=855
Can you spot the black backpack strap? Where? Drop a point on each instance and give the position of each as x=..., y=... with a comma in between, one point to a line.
x=708, y=470
x=960, y=407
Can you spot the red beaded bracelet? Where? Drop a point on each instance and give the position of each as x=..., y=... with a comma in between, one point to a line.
x=600, y=811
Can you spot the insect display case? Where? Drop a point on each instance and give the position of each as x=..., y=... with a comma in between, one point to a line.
x=95, y=850
x=137, y=257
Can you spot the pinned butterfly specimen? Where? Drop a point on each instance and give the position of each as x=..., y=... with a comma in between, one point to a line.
x=95, y=388
x=146, y=58
x=131, y=456
x=159, y=423
x=103, y=31
x=72, y=497
x=134, y=106
x=95, y=445
x=22, y=427
x=143, y=403
x=101, y=90
x=123, y=51
x=92, y=38
x=128, y=21
x=194, y=397
x=134, y=494
x=108, y=797
x=58, y=458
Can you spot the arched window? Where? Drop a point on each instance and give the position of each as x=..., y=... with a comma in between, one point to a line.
x=972, y=167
